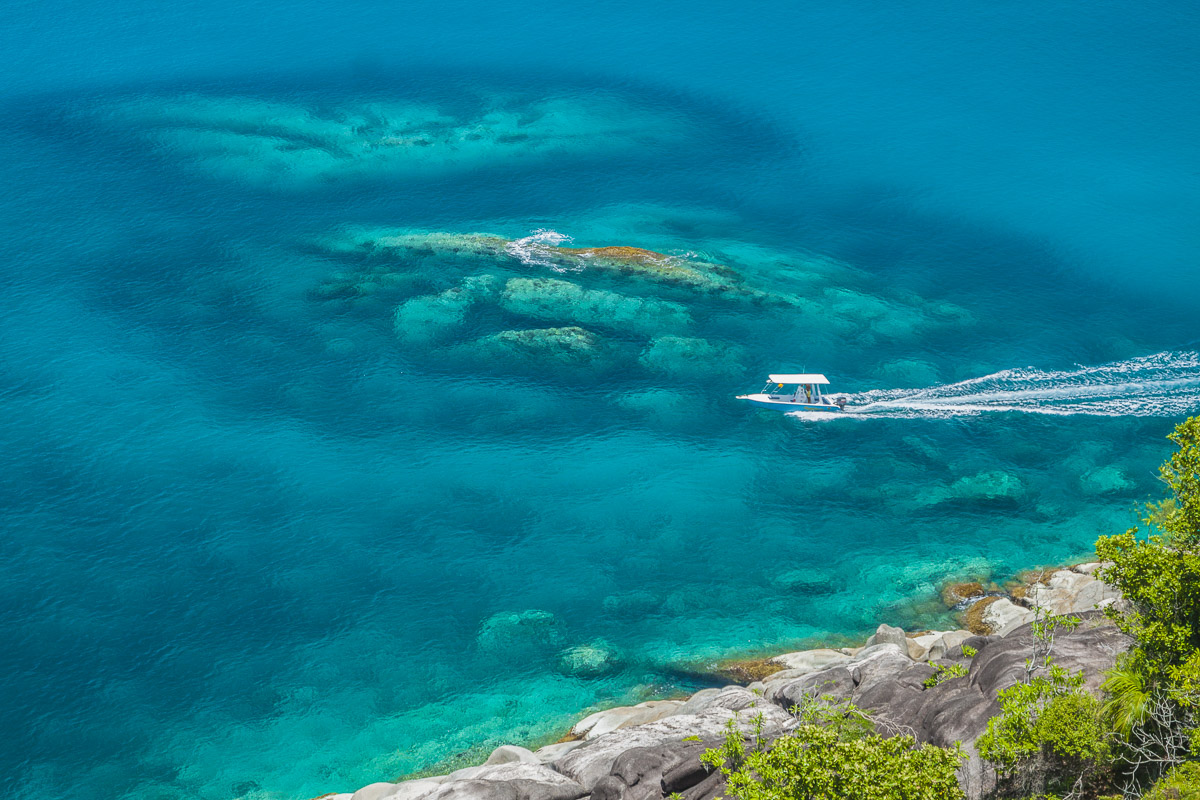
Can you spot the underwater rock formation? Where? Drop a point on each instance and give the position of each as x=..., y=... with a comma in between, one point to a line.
x=551, y=299
x=686, y=357
x=428, y=318
x=509, y=631
x=679, y=306
x=570, y=346
x=299, y=144
x=993, y=487
x=651, y=751
x=589, y=660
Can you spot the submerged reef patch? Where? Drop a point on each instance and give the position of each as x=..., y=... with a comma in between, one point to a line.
x=548, y=298
x=297, y=144
x=681, y=313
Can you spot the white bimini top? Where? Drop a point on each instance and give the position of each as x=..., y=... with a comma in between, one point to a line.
x=811, y=378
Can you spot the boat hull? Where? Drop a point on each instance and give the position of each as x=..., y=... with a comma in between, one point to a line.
x=765, y=401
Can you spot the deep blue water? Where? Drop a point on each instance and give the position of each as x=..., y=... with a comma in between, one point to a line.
x=286, y=511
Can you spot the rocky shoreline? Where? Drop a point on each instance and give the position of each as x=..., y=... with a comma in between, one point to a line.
x=651, y=750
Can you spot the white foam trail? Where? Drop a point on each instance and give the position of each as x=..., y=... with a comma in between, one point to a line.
x=1160, y=385
x=536, y=249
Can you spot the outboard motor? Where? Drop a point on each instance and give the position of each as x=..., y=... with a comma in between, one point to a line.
x=841, y=403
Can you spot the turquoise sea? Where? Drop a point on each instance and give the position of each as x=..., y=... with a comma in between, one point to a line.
x=335, y=447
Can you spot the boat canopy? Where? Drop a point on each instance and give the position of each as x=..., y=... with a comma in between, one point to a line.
x=801, y=379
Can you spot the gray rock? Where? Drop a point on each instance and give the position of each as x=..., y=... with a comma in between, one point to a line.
x=699, y=701
x=511, y=754
x=374, y=791
x=638, y=774
x=588, y=764
x=878, y=662
x=413, y=790
x=1004, y=616
x=810, y=660
x=833, y=684
x=949, y=643
x=611, y=719
x=886, y=634
x=1092, y=647
x=552, y=752
x=511, y=782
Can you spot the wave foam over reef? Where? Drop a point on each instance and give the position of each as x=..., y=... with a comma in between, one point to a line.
x=1160, y=385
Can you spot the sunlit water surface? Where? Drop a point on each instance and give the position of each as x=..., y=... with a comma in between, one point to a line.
x=333, y=452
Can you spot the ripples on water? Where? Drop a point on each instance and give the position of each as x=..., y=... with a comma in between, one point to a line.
x=290, y=508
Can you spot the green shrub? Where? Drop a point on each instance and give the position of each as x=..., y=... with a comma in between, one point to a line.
x=816, y=763
x=944, y=672
x=1181, y=783
x=1049, y=736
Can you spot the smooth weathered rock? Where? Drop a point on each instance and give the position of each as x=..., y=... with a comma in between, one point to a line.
x=916, y=650
x=1004, y=616
x=414, y=790
x=973, y=618
x=699, y=701
x=810, y=660
x=511, y=782
x=638, y=773
x=889, y=685
x=511, y=754
x=1070, y=592
x=593, y=761
x=949, y=643
x=840, y=682
x=1092, y=647
x=552, y=752
x=887, y=634
x=603, y=722
x=375, y=791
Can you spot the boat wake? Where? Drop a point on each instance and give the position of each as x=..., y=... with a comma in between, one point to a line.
x=1160, y=385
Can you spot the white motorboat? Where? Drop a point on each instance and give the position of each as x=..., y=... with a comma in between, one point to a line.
x=799, y=392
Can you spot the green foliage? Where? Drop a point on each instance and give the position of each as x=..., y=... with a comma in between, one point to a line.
x=1049, y=733
x=968, y=651
x=845, y=718
x=944, y=672
x=1181, y=520
x=816, y=763
x=1154, y=690
x=1181, y=783
x=1161, y=581
x=1128, y=704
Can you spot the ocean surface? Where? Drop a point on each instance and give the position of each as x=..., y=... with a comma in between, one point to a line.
x=335, y=447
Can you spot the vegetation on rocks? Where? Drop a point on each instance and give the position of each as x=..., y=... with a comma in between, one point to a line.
x=1154, y=691
x=833, y=755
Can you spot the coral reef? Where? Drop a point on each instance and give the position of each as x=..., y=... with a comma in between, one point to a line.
x=570, y=346
x=686, y=357
x=299, y=144
x=551, y=299
x=428, y=318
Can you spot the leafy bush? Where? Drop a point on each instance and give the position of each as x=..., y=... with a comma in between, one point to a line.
x=1048, y=736
x=1181, y=783
x=944, y=672
x=1154, y=690
x=816, y=762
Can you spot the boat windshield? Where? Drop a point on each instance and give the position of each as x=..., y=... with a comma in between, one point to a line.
x=795, y=392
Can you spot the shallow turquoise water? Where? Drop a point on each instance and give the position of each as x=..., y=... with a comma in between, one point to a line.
x=289, y=509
